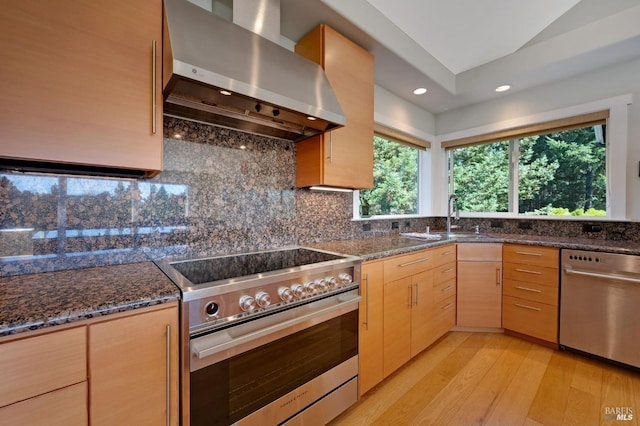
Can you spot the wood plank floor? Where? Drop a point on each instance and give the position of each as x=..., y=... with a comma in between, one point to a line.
x=497, y=379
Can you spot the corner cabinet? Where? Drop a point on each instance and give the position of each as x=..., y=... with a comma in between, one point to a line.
x=78, y=83
x=133, y=369
x=342, y=157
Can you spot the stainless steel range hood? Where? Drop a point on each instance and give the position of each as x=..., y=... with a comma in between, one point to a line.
x=217, y=72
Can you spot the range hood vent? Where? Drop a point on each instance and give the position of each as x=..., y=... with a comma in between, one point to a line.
x=217, y=72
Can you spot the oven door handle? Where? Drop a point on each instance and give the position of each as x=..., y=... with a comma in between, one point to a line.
x=212, y=344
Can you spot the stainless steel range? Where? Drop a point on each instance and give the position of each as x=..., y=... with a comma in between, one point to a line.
x=268, y=337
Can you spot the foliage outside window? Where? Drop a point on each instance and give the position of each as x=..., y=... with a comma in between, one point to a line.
x=395, y=180
x=557, y=173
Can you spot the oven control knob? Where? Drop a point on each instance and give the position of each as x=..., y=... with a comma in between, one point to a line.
x=263, y=299
x=285, y=293
x=344, y=278
x=310, y=287
x=247, y=303
x=320, y=284
x=298, y=290
x=331, y=282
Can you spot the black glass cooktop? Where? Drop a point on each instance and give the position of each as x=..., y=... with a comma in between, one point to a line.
x=221, y=268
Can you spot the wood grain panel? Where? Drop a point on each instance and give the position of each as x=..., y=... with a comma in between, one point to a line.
x=531, y=273
x=546, y=257
x=444, y=254
x=531, y=291
x=480, y=252
x=370, y=351
x=479, y=294
x=397, y=324
x=36, y=365
x=532, y=318
x=406, y=265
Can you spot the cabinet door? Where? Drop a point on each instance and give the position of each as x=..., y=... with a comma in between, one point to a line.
x=397, y=324
x=78, y=84
x=479, y=294
x=129, y=359
x=370, y=332
x=422, y=307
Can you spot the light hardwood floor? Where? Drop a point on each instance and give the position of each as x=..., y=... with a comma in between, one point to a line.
x=497, y=379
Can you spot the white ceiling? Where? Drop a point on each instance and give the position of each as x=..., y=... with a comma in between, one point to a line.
x=461, y=50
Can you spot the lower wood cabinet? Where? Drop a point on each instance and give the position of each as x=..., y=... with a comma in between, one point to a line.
x=370, y=329
x=131, y=379
x=479, y=285
x=133, y=369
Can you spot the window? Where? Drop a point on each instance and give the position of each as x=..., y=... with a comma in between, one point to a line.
x=396, y=172
x=545, y=171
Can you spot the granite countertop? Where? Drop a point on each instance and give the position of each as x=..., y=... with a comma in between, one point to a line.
x=30, y=302
x=379, y=247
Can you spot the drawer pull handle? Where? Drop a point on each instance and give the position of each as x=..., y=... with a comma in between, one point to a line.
x=533, y=290
x=447, y=306
x=529, y=253
x=447, y=288
x=413, y=262
x=526, y=271
x=498, y=277
x=446, y=271
x=520, y=305
x=447, y=253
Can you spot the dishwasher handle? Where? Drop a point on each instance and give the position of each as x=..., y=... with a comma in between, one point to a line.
x=602, y=276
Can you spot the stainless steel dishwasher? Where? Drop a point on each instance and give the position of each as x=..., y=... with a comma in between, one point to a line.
x=600, y=305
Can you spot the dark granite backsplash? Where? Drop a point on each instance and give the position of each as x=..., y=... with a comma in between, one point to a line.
x=221, y=191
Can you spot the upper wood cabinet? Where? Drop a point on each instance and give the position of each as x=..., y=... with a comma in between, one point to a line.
x=78, y=83
x=342, y=157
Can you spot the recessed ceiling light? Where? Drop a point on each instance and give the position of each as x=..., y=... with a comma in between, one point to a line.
x=503, y=88
x=225, y=92
x=420, y=91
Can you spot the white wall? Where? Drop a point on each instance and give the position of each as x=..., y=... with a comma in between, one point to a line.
x=393, y=111
x=592, y=87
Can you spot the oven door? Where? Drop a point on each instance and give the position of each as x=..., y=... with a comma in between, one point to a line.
x=269, y=370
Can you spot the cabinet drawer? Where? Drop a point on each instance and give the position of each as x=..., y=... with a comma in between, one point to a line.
x=444, y=290
x=547, y=257
x=531, y=291
x=444, y=316
x=531, y=274
x=444, y=254
x=64, y=407
x=444, y=273
x=409, y=264
x=35, y=365
x=531, y=318
x=480, y=252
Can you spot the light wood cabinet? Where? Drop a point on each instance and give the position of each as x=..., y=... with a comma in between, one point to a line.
x=44, y=379
x=371, y=326
x=133, y=369
x=531, y=287
x=419, y=303
x=78, y=84
x=479, y=285
x=342, y=157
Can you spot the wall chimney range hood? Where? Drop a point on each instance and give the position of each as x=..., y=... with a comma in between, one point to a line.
x=217, y=72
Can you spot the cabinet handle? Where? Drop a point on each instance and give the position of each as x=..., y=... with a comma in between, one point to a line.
x=529, y=253
x=533, y=290
x=416, y=286
x=447, y=288
x=330, y=147
x=498, y=276
x=447, y=253
x=168, y=361
x=526, y=271
x=446, y=271
x=366, y=301
x=447, y=306
x=413, y=262
x=410, y=295
x=520, y=305
x=153, y=89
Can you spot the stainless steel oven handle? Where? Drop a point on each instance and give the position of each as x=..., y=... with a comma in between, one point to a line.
x=210, y=346
x=603, y=276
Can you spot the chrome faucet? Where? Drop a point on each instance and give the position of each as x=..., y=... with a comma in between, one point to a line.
x=452, y=204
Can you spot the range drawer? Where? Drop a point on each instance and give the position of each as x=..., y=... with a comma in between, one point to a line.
x=407, y=265
x=546, y=257
x=530, y=291
x=444, y=254
x=40, y=364
x=531, y=274
x=444, y=273
x=531, y=318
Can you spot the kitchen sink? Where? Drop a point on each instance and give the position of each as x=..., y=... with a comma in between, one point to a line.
x=442, y=236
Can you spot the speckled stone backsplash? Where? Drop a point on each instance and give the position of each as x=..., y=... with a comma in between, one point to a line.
x=221, y=191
